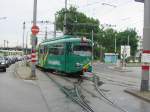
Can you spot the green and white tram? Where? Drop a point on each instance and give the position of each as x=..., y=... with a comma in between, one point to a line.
x=67, y=54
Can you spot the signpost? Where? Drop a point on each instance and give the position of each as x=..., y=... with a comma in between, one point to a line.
x=34, y=30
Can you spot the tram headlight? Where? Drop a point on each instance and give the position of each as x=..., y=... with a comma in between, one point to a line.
x=78, y=65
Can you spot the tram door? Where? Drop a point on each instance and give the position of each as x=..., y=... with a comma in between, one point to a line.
x=68, y=52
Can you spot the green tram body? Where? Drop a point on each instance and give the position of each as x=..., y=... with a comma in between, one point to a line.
x=67, y=54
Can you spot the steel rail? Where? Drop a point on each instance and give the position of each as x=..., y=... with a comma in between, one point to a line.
x=66, y=91
x=104, y=96
x=76, y=87
x=81, y=99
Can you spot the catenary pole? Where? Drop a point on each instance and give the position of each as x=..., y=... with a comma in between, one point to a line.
x=55, y=26
x=115, y=43
x=4, y=43
x=146, y=46
x=23, y=36
x=27, y=43
x=115, y=49
x=7, y=44
x=92, y=51
x=46, y=32
x=33, y=74
x=65, y=19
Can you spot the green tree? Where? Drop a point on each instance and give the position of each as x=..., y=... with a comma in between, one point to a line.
x=77, y=22
x=122, y=39
x=108, y=40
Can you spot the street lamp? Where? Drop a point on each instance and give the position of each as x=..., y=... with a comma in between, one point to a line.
x=1, y=18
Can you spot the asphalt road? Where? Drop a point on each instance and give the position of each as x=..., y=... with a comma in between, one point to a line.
x=116, y=82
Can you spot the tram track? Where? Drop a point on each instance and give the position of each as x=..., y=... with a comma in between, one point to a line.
x=105, y=98
x=101, y=95
x=74, y=94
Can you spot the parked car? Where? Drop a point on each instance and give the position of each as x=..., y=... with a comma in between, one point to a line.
x=8, y=61
x=3, y=65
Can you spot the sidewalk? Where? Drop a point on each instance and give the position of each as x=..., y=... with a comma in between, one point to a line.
x=17, y=95
x=142, y=95
x=23, y=71
x=56, y=100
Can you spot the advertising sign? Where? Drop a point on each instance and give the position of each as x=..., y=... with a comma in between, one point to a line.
x=125, y=51
x=146, y=56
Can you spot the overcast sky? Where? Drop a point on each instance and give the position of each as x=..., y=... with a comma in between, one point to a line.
x=122, y=13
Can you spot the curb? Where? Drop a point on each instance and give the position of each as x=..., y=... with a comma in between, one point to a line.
x=134, y=93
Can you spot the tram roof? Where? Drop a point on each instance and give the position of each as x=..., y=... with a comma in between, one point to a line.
x=58, y=38
x=66, y=38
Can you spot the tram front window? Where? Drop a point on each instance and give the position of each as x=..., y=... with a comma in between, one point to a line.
x=82, y=50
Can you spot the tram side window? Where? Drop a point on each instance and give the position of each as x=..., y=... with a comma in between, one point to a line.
x=56, y=51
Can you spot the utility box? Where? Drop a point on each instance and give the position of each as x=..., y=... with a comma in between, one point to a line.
x=111, y=58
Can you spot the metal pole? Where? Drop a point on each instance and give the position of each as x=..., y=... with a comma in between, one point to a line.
x=128, y=39
x=7, y=44
x=33, y=74
x=46, y=32
x=65, y=18
x=27, y=43
x=115, y=43
x=4, y=43
x=101, y=55
x=92, y=52
x=115, y=50
x=146, y=46
x=35, y=12
x=23, y=36
x=55, y=27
